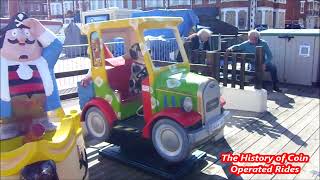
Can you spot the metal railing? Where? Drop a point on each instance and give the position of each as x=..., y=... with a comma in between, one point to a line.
x=72, y=66
x=74, y=62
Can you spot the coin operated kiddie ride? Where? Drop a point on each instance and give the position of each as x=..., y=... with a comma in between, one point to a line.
x=37, y=140
x=174, y=109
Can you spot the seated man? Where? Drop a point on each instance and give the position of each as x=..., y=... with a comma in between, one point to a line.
x=250, y=47
x=199, y=41
x=138, y=71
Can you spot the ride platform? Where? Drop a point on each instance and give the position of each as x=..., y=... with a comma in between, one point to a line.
x=147, y=159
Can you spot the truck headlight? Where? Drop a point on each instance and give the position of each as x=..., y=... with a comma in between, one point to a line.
x=187, y=104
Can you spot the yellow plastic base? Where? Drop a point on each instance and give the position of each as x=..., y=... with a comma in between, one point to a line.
x=56, y=146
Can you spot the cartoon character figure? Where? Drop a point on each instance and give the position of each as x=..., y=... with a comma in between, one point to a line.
x=96, y=52
x=29, y=52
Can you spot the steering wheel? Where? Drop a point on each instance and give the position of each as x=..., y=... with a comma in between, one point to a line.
x=142, y=74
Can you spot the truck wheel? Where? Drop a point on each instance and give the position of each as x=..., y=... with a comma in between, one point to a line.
x=170, y=140
x=97, y=125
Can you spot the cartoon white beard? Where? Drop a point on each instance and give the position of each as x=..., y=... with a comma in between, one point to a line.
x=24, y=72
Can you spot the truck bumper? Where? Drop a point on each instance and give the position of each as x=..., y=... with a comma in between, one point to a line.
x=209, y=130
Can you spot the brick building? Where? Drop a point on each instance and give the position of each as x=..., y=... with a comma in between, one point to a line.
x=243, y=14
x=40, y=8
x=240, y=13
x=35, y=8
x=303, y=12
x=235, y=12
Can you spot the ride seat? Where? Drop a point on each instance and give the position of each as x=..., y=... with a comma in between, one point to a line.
x=119, y=72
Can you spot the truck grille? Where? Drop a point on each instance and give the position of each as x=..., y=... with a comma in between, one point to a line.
x=212, y=104
x=211, y=95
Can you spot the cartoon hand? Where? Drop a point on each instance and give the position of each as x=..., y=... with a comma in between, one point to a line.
x=49, y=89
x=5, y=94
x=36, y=28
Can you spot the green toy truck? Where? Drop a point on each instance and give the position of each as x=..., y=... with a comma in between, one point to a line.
x=175, y=109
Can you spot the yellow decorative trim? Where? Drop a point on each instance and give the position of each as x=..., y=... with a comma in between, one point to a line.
x=139, y=24
x=57, y=148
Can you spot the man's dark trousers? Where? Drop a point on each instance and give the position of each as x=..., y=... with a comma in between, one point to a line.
x=273, y=71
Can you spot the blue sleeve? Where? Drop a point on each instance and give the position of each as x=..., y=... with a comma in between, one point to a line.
x=52, y=53
x=53, y=101
x=240, y=47
x=268, y=54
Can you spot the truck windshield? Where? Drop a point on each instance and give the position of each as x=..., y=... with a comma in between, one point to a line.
x=162, y=46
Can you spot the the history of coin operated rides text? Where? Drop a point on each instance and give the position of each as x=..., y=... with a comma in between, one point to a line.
x=272, y=164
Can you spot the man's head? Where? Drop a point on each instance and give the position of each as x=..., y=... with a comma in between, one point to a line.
x=204, y=34
x=16, y=41
x=135, y=51
x=253, y=36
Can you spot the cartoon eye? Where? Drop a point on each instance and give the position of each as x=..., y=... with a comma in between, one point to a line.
x=26, y=32
x=14, y=33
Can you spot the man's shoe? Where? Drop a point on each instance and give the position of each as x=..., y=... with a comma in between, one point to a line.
x=277, y=89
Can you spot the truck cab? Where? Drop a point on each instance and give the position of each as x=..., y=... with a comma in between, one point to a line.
x=174, y=108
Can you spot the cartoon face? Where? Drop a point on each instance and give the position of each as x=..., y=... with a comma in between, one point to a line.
x=19, y=45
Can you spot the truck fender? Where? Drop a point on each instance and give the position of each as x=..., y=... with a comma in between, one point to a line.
x=105, y=108
x=185, y=119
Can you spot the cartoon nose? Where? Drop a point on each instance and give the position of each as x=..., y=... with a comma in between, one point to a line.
x=21, y=40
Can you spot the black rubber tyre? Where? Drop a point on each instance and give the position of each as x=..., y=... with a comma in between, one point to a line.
x=97, y=125
x=171, y=140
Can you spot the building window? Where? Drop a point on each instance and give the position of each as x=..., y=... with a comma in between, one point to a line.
x=281, y=1
x=197, y=1
x=242, y=20
x=45, y=10
x=231, y=17
x=316, y=6
x=258, y=18
x=68, y=6
x=116, y=3
x=281, y=20
x=100, y=4
x=302, y=7
x=35, y=7
x=212, y=1
x=52, y=9
x=269, y=18
x=222, y=16
x=93, y=5
x=129, y=4
x=179, y=2
x=310, y=8
x=58, y=9
x=139, y=4
x=153, y=3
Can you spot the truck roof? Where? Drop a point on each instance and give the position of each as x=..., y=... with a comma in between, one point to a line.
x=152, y=22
